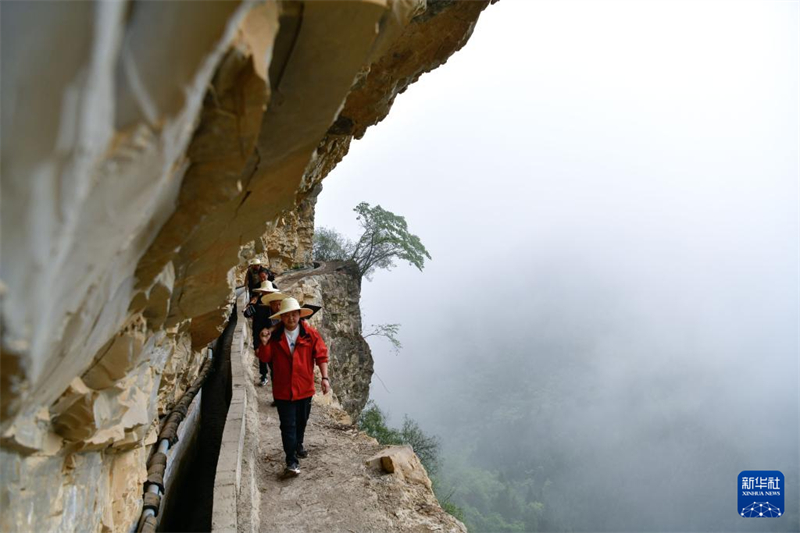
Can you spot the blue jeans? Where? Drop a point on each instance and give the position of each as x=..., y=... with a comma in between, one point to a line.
x=294, y=416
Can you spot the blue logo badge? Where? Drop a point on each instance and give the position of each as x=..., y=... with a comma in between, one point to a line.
x=761, y=494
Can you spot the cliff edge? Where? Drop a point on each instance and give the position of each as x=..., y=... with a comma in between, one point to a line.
x=343, y=486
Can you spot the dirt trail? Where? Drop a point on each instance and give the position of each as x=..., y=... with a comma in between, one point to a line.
x=335, y=490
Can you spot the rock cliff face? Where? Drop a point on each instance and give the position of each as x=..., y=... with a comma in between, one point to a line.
x=148, y=150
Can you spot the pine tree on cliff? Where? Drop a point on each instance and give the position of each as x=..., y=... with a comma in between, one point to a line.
x=384, y=239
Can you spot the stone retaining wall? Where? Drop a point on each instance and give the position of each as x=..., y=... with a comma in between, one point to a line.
x=227, y=483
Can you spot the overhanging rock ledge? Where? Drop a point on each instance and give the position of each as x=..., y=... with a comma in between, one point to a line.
x=148, y=151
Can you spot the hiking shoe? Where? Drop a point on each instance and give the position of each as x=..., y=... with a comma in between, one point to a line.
x=302, y=453
x=293, y=470
x=263, y=382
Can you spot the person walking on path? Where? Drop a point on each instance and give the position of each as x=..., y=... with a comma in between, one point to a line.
x=267, y=302
x=253, y=278
x=293, y=349
x=273, y=300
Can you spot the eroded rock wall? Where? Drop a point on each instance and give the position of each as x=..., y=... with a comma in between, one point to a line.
x=148, y=149
x=289, y=241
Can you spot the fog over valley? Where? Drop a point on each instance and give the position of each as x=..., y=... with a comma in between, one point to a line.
x=607, y=332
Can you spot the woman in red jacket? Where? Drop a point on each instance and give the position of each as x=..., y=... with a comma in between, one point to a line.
x=293, y=349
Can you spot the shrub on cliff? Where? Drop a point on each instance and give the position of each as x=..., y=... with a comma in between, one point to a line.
x=385, y=238
x=330, y=245
x=388, y=331
x=373, y=422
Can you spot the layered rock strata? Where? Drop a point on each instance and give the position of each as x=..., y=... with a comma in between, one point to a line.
x=148, y=150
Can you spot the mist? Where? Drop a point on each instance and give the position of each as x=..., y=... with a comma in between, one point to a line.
x=609, y=193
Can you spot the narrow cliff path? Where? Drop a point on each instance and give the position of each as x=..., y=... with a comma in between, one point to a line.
x=336, y=491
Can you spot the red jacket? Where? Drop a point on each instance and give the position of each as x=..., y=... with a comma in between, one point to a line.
x=293, y=374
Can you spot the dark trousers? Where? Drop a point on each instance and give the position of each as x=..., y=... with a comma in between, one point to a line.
x=294, y=416
x=262, y=367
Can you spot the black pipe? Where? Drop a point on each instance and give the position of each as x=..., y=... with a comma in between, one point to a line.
x=190, y=505
x=157, y=464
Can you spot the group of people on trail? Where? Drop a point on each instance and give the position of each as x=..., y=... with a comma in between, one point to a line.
x=265, y=301
x=287, y=347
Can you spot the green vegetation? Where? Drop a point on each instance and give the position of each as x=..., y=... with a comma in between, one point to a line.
x=485, y=500
x=489, y=500
x=389, y=331
x=330, y=245
x=373, y=422
x=385, y=237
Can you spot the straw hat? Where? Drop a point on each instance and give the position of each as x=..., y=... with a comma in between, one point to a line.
x=290, y=304
x=272, y=296
x=266, y=286
x=255, y=262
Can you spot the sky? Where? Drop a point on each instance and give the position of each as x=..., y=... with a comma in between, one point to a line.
x=621, y=175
